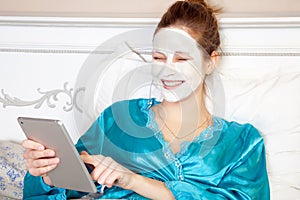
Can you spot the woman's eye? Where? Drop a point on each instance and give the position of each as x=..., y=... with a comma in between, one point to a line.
x=158, y=58
x=182, y=59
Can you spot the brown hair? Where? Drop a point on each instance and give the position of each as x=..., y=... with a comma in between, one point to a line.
x=197, y=18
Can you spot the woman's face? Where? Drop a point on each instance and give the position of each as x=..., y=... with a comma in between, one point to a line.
x=179, y=63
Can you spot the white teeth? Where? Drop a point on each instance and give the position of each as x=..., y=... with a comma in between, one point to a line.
x=172, y=83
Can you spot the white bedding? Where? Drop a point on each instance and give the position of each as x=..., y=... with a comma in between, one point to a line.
x=12, y=170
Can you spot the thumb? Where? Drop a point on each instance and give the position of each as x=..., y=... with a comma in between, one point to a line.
x=84, y=153
x=88, y=159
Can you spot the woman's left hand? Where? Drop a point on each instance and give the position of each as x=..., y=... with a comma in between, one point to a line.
x=108, y=172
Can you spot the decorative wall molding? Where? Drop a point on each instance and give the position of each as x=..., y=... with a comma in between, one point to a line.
x=57, y=45
x=260, y=51
x=260, y=22
x=47, y=97
x=67, y=49
x=52, y=49
x=250, y=22
x=78, y=22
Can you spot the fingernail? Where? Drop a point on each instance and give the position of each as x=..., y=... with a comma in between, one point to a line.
x=41, y=147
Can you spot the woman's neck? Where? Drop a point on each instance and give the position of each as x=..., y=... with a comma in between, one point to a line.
x=190, y=109
x=183, y=116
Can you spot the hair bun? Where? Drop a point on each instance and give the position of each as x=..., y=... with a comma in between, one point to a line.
x=202, y=2
x=197, y=1
x=205, y=5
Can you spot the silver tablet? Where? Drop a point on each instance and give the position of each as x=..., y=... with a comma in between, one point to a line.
x=71, y=172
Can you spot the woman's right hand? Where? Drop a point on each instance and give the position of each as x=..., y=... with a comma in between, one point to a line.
x=39, y=160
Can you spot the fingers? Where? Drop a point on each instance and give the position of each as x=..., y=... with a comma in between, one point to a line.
x=30, y=144
x=41, y=171
x=39, y=160
x=35, y=154
x=103, y=169
x=41, y=167
x=92, y=160
x=116, y=174
x=103, y=166
x=110, y=176
x=107, y=171
x=36, y=150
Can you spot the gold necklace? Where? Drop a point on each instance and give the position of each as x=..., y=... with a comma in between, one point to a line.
x=179, y=138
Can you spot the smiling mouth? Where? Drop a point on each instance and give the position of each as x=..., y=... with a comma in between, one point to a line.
x=171, y=84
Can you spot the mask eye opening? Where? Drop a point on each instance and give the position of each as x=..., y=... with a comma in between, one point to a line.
x=182, y=57
x=158, y=56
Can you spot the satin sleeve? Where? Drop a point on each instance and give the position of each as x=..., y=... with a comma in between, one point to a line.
x=35, y=189
x=246, y=179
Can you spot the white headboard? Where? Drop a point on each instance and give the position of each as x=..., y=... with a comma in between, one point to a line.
x=41, y=58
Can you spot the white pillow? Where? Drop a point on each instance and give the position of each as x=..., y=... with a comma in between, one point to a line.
x=12, y=170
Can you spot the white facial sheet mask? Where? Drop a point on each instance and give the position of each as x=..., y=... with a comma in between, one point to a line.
x=168, y=41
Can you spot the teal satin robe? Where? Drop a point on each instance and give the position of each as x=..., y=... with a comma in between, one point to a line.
x=226, y=161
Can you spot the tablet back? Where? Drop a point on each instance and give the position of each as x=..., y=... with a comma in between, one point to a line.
x=71, y=172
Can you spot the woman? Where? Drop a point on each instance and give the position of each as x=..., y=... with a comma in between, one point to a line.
x=174, y=149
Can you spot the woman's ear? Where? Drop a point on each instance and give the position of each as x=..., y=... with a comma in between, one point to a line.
x=215, y=57
x=213, y=62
